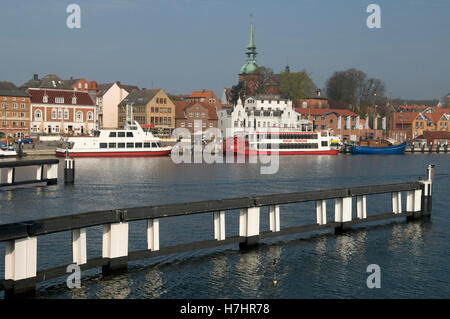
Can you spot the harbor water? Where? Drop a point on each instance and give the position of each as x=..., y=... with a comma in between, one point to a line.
x=414, y=257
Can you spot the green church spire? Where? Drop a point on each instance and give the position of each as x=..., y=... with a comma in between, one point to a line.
x=251, y=53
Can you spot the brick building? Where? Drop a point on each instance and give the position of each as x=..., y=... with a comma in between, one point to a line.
x=15, y=112
x=56, y=111
x=410, y=125
x=344, y=123
x=186, y=113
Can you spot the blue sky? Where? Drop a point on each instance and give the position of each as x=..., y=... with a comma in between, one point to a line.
x=185, y=45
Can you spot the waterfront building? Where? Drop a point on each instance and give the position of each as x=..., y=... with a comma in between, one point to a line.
x=258, y=112
x=188, y=114
x=15, y=112
x=344, y=123
x=59, y=111
x=109, y=97
x=150, y=107
x=412, y=124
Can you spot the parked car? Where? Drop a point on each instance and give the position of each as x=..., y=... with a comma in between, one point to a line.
x=26, y=140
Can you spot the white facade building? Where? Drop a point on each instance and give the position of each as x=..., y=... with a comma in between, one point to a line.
x=109, y=97
x=260, y=113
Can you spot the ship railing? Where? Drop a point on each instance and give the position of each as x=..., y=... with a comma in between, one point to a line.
x=21, y=274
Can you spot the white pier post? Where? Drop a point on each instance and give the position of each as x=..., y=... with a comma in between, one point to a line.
x=153, y=234
x=321, y=212
x=417, y=200
x=79, y=251
x=115, y=240
x=52, y=173
x=397, y=202
x=39, y=172
x=343, y=213
x=410, y=201
x=249, y=226
x=219, y=225
x=10, y=176
x=274, y=218
x=361, y=208
x=21, y=261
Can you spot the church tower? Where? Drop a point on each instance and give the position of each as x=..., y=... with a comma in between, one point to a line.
x=249, y=73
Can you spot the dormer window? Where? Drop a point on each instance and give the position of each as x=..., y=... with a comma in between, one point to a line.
x=79, y=85
x=59, y=100
x=74, y=100
x=45, y=99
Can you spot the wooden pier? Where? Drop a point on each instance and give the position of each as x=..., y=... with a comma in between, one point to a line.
x=21, y=273
x=46, y=172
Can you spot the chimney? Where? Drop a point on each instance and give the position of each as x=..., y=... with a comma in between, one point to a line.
x=36, y=77
x=71, y=77
x=118, y=83
x=318, y=92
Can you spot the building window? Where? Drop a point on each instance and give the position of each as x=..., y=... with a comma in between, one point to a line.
x=189, y=124
x=74, y=100
x=60, y=114
x=90, y=116
x=53, y=114
x=79, y=116
x=182, y=124
x=38, y=114
x=45, y=99
x=210, y=124
x=22, y=106
x=66, y=114
x=14, y=105
x=191, y=114
x=59, y=100
x=3, y=114
x=4, y=105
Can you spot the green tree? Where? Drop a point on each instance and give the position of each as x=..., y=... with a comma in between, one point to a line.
x=293, y=84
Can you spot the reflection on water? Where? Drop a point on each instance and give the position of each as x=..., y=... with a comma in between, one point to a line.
x=114, y=287
x=248, y=270
x=219, y=271
x=153, y=286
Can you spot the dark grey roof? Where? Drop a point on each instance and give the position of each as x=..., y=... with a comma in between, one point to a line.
x=103, y=88
x=14, y=92
x=50, y=81
x=7, y=85
x=139, y=97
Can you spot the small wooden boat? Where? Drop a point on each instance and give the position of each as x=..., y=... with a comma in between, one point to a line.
x=378, y=147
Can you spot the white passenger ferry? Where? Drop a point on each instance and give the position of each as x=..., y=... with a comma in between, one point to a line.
x=285, y=142
x=132, y=141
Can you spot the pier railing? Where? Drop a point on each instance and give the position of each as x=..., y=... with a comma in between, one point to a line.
x=46, y=172
x=21, y=274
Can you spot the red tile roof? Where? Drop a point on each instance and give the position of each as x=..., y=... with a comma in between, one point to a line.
x=405, y=117
x=83, y=98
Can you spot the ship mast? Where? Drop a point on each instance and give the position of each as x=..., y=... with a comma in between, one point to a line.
x=129, y=114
